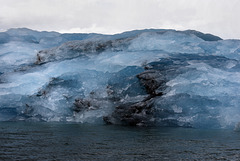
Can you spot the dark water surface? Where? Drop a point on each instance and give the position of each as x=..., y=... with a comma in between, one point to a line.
x=59, y=141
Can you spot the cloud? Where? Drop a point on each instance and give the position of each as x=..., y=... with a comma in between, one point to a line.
x=219, y=17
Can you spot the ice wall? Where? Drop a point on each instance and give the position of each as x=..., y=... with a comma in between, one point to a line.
x=143, y=77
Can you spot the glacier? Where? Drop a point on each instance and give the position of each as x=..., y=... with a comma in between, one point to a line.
x=151, y=77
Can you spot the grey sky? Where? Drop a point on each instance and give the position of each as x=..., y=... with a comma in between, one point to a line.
x=219, y=17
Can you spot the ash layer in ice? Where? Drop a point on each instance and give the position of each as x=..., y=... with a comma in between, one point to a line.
x=142, y=77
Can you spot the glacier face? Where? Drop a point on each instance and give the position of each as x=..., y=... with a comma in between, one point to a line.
x=142, y=77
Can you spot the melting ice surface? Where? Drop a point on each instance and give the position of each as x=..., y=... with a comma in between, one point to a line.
x=146, y=77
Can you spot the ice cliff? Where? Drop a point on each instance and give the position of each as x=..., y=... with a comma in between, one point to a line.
x=143, y=77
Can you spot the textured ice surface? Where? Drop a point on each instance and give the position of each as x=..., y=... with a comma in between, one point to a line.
x=142, y=77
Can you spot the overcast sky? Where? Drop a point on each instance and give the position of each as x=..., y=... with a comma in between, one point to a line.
x=219, y=17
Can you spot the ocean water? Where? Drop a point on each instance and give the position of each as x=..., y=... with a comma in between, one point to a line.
x=72, y=141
